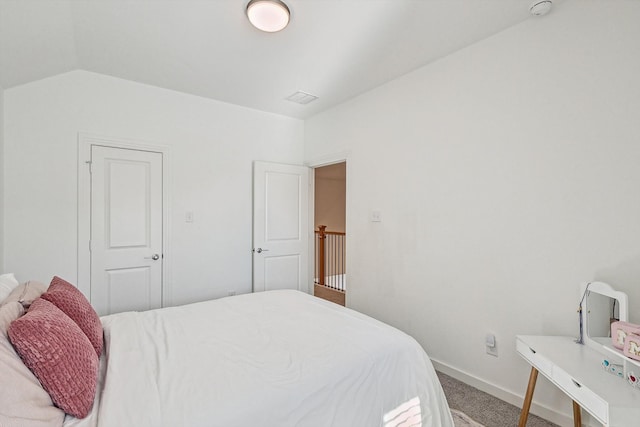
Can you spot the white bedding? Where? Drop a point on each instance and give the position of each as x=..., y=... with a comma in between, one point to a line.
x=279, y=358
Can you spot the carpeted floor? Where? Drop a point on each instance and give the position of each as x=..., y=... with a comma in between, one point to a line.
x=484, y=408
x=460, y=419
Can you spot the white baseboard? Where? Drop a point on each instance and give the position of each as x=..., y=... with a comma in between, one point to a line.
x=542, y=411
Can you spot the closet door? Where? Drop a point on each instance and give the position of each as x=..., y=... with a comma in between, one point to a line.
x=126, y=229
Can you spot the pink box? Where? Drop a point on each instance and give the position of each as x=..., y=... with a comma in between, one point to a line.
x=632, y=346
x=620, y=330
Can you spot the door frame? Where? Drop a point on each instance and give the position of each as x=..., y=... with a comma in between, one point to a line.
x=330, y=159
x=85, y=142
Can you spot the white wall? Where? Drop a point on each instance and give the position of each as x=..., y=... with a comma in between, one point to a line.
x=212, y=146
x=507, y=174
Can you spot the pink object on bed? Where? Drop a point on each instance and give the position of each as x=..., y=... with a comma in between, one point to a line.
x=23, y=401
x=73, y=303
x=59, y=354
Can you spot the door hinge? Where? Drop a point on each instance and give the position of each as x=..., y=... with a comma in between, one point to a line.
x=89, y=245
x=89, y=162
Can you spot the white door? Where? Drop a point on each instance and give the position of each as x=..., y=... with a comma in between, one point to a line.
x=126, y=229
x=280, y=227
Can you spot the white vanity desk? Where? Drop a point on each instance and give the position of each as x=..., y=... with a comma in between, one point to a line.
x=577, y=369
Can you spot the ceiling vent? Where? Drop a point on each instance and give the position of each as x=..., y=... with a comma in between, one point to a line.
x=301, y=98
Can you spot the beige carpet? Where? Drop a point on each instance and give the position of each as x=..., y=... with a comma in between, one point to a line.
x=460, y=419
x=482, y=407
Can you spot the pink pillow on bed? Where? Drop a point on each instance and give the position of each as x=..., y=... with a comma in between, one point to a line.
x=59, y=354
x=73, y=303
x=23, y=401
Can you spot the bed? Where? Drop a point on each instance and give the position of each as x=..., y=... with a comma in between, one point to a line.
x=277, y=358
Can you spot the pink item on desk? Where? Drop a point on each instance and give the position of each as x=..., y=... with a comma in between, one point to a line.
x=632, y=346
x=620, y=330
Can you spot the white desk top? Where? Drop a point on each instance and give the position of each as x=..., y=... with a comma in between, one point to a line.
x=584, y=366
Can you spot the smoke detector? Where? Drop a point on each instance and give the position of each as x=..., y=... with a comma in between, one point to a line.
x=540, y=7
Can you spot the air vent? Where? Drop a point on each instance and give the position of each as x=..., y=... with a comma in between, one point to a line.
x=301, y=97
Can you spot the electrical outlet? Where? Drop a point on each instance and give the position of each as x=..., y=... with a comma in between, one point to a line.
x=491, y=345
x=231, y=293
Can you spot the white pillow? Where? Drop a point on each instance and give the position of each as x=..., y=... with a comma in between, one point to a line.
x=7, y=283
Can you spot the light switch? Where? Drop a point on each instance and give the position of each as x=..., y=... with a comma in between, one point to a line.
x=188, y=217
x=490, y=344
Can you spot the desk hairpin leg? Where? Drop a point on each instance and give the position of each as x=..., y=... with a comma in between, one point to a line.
x=526, y=405
x=528, y=397
x=577, y=417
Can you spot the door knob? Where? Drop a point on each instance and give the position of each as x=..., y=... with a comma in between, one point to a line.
x=154, y=257
x=260, y=250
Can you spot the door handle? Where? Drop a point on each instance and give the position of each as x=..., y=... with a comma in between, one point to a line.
x=154, y=257
x=260, y=250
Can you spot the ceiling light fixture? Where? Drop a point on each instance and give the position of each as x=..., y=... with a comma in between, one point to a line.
x=268, y=15
x=540, y=7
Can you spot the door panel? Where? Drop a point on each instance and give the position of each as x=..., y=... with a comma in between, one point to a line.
x=282, y=272
x=280, y=227
x=127, y=210
x=126, y=229
x=122, y=296
x=282, y=200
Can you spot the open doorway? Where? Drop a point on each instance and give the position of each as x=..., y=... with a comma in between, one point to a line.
x=330, y=189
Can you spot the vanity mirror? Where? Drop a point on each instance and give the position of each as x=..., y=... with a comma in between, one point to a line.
x=600, y=305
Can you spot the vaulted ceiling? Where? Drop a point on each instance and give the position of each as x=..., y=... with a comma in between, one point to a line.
x=334, y=49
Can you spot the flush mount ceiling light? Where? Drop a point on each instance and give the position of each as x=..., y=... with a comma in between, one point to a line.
x=268, y=15
x=540, y=7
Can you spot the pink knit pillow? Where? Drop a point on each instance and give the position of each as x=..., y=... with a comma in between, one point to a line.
x=70, y=300
x=23, y=401
x=59, y=355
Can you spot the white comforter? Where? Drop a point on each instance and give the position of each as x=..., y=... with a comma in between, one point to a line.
x=279, y=358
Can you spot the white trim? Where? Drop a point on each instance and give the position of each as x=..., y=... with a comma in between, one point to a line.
x=85, y=142
x=311, y=244
x=329, y=159
x=508, y=396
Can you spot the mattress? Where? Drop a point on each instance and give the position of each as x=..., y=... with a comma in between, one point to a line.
x=277, y=358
